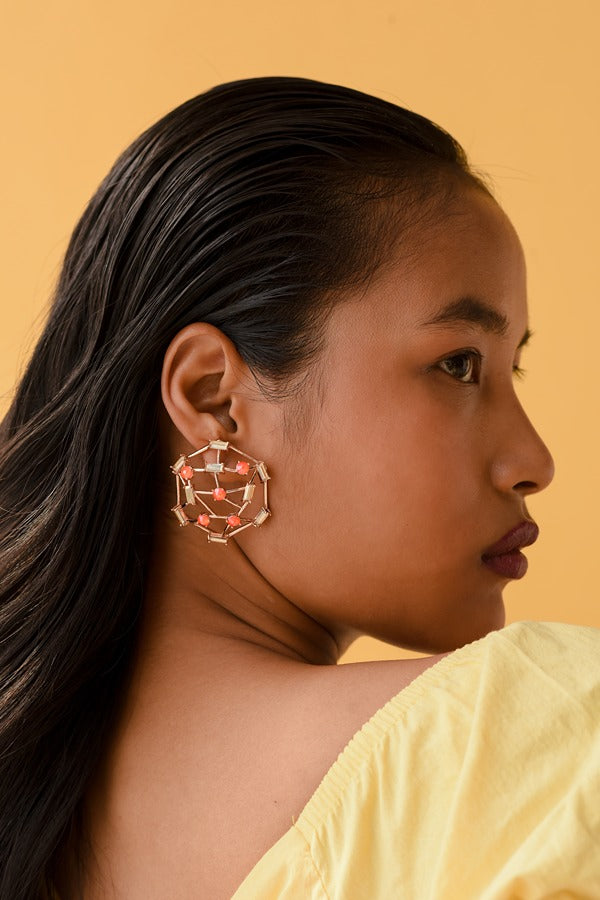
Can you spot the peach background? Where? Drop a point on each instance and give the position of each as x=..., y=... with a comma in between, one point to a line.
x=515, y=81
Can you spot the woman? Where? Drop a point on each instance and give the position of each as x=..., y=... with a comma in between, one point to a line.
x=273, y=409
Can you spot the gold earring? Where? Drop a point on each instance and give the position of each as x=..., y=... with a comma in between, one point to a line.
x=235, y=521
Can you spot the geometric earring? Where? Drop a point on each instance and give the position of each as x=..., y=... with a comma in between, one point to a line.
x=232, y=519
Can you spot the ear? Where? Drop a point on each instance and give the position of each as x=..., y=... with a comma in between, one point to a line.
x=206, y=385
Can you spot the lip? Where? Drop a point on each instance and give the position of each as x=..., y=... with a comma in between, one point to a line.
x=508, y=565
x=522, y=535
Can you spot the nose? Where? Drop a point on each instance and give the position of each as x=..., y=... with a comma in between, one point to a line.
x=522, y=461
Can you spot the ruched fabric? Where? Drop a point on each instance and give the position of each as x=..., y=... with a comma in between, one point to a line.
x=478, y=781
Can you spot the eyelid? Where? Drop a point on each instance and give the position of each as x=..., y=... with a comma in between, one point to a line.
x=476, y=355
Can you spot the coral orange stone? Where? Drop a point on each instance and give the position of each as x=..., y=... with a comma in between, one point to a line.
x=241, y=467
x=233, y=520
x=186, y=472
x=203, y=519
x=219, y=493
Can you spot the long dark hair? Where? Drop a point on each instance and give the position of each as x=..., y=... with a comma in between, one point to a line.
x=250, y=206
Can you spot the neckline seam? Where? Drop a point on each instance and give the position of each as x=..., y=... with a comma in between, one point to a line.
x=307, y=824
x=365, y=741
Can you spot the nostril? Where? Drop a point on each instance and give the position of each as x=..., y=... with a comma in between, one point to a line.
x=526, y=484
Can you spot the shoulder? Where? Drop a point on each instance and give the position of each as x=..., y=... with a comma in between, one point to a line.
x=328, y=708
x=363, y=687
x=501, y=751
x=257, y=756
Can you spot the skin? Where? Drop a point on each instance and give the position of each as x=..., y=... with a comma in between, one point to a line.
x=381, y=509
x=380, y=516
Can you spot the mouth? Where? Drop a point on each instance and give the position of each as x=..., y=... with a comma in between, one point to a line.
x=509, y=565
x=504, y=557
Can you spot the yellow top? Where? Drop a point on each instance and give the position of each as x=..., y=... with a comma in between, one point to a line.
x=479, y=781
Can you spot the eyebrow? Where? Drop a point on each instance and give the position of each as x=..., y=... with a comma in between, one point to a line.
x=473, y=310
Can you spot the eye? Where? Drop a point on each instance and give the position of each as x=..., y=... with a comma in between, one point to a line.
x=462, y=365
x=473, y=361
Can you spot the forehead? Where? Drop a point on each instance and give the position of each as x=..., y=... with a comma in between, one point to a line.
x=470, y=250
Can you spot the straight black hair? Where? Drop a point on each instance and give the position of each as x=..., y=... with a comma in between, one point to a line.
x=251, y=206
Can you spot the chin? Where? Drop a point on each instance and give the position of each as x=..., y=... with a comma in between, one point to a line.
x=488, y=618
x=465, y=628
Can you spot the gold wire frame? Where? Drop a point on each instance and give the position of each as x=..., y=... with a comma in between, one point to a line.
x=193, y=497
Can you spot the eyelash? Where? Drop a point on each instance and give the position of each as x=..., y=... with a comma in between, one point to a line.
x=474, y=354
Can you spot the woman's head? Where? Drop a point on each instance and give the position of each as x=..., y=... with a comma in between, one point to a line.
x=257, y=266
x=418, y=455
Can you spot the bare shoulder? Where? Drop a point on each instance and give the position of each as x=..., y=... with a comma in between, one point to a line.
x=253, y=755
x=362, y=688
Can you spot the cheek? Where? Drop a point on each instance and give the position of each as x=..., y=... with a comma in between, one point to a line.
x=357, y=522
x=381, y=491
x=398, y=479
x=431, y=495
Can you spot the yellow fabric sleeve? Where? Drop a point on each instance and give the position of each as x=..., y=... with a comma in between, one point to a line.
x=478, y=781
